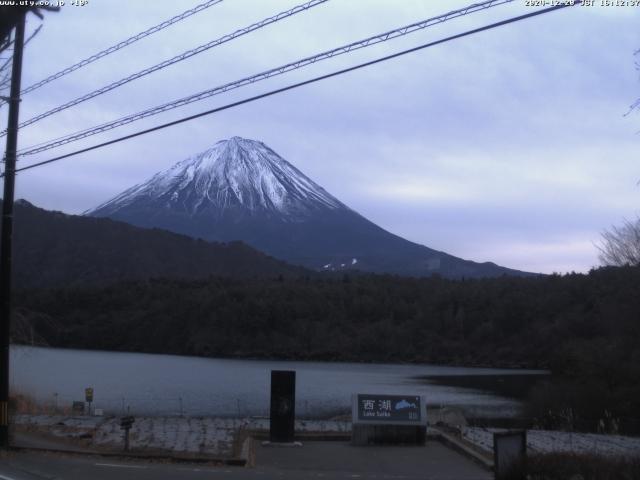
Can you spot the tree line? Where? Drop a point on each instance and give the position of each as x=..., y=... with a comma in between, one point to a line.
x=585, y=328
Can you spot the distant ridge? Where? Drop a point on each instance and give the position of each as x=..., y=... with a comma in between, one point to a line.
x=53, y=249
x=240, y=189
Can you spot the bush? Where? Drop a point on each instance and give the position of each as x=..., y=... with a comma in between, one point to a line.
x=571, y=466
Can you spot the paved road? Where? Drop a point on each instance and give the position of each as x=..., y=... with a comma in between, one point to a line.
x=49, y=466
x=315, y=460
x=341, y=460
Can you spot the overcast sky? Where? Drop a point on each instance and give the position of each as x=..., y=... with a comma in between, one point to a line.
x=509, y=146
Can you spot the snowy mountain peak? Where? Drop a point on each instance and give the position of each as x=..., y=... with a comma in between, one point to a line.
x=240, y=189
x=234, y=173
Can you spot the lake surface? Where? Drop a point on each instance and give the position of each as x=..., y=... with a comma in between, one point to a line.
x=172, y=385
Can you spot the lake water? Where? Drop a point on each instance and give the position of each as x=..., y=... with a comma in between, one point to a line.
x=171, y=385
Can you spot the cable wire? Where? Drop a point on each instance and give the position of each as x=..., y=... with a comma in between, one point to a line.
x=178, y=58
x=300, y=84
x=122, y=44
x=382, y=37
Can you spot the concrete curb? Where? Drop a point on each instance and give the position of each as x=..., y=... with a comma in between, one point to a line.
x=462, y=447
x=248, y=452
x=233, y=461
x=307, y=437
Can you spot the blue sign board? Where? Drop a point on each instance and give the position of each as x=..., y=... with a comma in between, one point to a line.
x=398, y=409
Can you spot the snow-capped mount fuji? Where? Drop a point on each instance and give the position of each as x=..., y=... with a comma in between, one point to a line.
x=235, y=174
x=242, y=190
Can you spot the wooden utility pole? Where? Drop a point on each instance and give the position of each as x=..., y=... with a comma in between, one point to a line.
x=7, y=228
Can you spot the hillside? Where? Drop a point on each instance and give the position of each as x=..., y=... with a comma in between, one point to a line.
x=56, y=249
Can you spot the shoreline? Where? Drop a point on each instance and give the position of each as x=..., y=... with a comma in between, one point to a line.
x=508, y=367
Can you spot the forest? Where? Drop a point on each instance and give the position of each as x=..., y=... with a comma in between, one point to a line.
x=584, y=328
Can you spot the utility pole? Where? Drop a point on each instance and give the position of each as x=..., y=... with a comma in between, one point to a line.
x=7, y=229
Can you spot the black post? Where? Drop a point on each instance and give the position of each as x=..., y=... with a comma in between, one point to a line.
x=126, y=438
x=283, y=403
x=7, y=229
x=510, y=455
x=125, y=424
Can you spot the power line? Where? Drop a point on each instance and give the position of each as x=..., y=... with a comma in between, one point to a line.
x=382, y=37
x=303, y=83
x=122, y=44
x=178, y=58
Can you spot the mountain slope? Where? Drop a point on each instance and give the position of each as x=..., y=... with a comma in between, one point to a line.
x=55, y=249
x=242, y=190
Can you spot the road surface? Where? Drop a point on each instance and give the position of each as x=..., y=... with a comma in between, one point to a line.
x=315, y=460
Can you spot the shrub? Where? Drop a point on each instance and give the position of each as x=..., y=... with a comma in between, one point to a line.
x=573, y=466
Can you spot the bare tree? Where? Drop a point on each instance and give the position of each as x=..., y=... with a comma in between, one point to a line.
x=636, y=105
x=621, y=245
x=5, y=65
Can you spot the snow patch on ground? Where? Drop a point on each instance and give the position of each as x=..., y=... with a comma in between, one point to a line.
x=546, y=441
x=194, y=435
x=215, y=437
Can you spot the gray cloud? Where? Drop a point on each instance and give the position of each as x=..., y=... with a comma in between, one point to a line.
x=509, y=146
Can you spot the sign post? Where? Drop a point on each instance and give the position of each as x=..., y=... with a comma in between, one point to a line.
x=88, y=397
x=393, y=419
x=125, y=424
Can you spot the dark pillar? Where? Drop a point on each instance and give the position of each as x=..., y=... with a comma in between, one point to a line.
x=283, y=406
x=510, y=455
